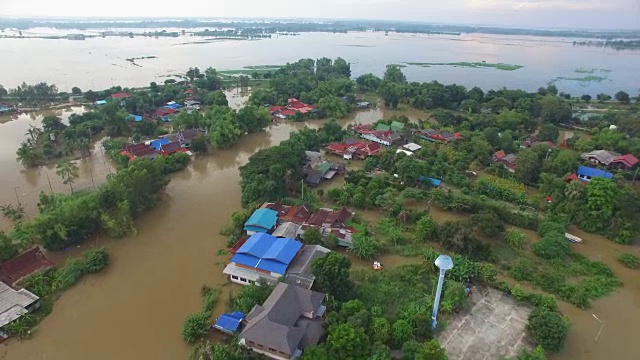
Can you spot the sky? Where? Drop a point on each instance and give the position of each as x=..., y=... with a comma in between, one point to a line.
x=596, y=14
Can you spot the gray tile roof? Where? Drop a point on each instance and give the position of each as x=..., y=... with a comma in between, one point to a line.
x=299, y=272
x=275, y=324
x=14, y=303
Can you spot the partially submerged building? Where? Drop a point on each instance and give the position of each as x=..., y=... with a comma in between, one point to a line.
x=15, y=303
x=29, y=262
x=508, y=160
x=261, y=221
x=290, y=320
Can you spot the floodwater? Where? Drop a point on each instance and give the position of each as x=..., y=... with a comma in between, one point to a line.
x=136, y=307
x=100, y=63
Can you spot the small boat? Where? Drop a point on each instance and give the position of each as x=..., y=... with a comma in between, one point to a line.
x=377, y=266
x=572, y=238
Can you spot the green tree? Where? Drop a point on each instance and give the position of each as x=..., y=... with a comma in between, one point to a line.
x=26, y=154
x=623, y=97
x=253, y=119
x=565, y=161
x=312, y=236
x=380, y=330
x=427, y=228
x=332, y=275
x=552, y=246
x=333, y=106
x=3, y=92
x=535, y=354
x=195, y=327
x=549, y=132
x=431, y=350
x=318, y=352
x=52, y=123
x=602, y=195
x=529, y=167
x=76, y=91
x=347, y=342
x=193, y=73
x=488, y=223
x=199, y=144
x=68, y=172
x=364, y=247
x=555, y=110
x=224, y=132
x=548, y=328
x=216, y=98
x=394, y=74
x=7, y=249
x=586, y=98
x=401, y=332
x=470, y=105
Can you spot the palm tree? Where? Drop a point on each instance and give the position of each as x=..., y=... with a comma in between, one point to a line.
x=574, y=191
x=68, y=171
x=25, y=154
x=33, y=132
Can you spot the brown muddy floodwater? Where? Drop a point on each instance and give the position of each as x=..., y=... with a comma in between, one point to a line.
x=136, y=307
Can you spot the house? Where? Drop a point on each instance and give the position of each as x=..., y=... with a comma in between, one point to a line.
x=287, y=230
x=312, y=158
x=158, y=143
x=600, y=157
x=363, y=105
x=318, y=218
x=290, y=320
x=172, y=147
x=384, y=137
x=438, y=136
x=625, y=161
x=406, y=152
x=262, y=256
x=29, y=262
x=344, y=235
x=299, y=272
x=261, y=221
x=192, y=105
x=278, y=207
x=336, y=218
x=229, y=323
x=100, y=102
x=139, y=150
x=412, y=147
x=508, y=160
x=358, y=149
x=293, y=107
x=610, y=159
x=587, y=173
x=322, y=171
x=15, y=303
x=120, y=95
x=296, y=214
x=173, y=105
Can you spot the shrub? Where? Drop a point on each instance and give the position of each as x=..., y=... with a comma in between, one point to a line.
x=364, y=247
x=552, y=246
x=515, y=238
x=195, y=327
x=629, y=260
x=488, y=223
x=427, y=228
x=548, y=328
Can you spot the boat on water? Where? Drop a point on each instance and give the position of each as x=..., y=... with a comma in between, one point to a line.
x=377, y=266
x=572, y=238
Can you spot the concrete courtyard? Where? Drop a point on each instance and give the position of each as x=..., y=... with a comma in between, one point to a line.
x=492, y=328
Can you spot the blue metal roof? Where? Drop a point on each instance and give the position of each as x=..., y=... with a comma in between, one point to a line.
x=261, y=220
x=229, y=323
x=592, y=172
x=101, y=102
x=434, y=182
x=173, y=106
x=266, y=252
x=135, y=117
x=157, y=144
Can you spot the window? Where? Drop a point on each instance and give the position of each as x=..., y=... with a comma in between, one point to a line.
x=243, y=279
x=273, y=350
x=234, y=277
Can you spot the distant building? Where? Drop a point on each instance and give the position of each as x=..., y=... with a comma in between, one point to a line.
x=294, y=106
x=587, y=173
x=120, y=95
x=508, y=160
x=358, y=149
x=287, y=230
x=363, y=105
x=290, y=320
x=383, y=137
x=610, y=159
x=438, y=136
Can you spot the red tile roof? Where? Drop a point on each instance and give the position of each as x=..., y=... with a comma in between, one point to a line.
x=318, y=218
x=121, y=95
x=338, y=217
x=25, y=264
x=339, y=148
x=189, y=91
x=500, y=154
x=296, y=214
x=627, y=160
x=170, y=148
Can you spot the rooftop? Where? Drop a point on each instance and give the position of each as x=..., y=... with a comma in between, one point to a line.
x=261, y=220
x=14, y=303
x=287, y=230
x=593, y=172
x=280, y=323
x=299, y=272
x=25, y=264
x=266, y=252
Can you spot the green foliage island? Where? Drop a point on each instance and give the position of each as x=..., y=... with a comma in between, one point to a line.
x=482, y=64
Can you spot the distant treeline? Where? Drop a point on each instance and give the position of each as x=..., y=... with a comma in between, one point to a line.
x=614, y=44
x=262, y=27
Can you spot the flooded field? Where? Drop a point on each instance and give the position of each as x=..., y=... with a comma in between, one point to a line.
x=135, y=309
x=99, y=63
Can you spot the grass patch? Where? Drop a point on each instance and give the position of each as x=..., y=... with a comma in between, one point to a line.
x=629, y=260
x=584, y=79
x=498, y=66
x=398, y=65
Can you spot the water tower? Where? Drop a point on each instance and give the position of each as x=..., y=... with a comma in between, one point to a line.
x=444, y=263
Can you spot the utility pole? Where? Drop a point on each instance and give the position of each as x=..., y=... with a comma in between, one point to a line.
x=302, y=184
x=15, y=190
x=595, y=340
x=92, y=182
x=444, y=263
